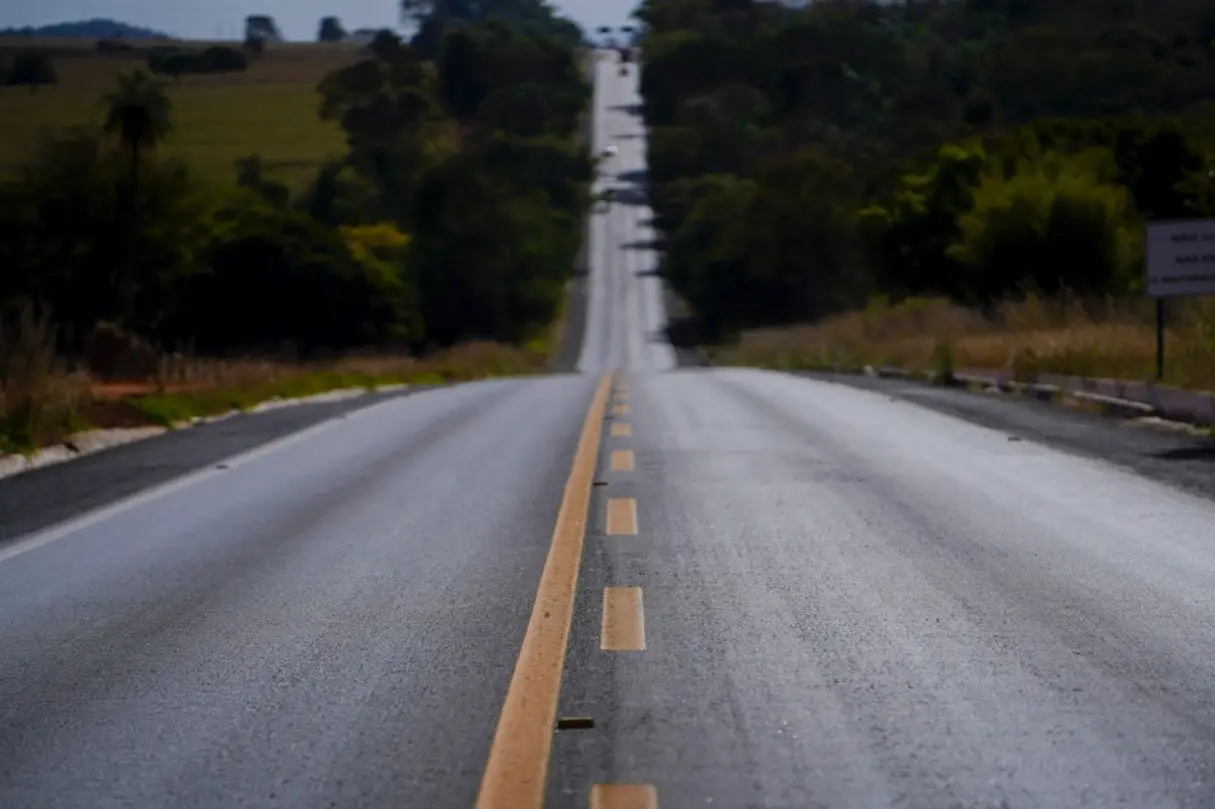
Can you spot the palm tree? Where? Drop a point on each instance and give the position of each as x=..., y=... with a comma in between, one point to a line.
x=139, y=113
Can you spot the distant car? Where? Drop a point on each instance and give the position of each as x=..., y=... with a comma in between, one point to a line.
x=624, y=71
x=611, y=151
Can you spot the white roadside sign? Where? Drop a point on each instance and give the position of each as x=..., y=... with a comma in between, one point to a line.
x=1180, y=257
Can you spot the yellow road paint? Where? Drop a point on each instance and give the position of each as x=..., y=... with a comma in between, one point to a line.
x=621, y=516
x=624, y=796
x=517, y=767
x=623, y=627
x=622, y=460
x=620, y=410
x=621, y=429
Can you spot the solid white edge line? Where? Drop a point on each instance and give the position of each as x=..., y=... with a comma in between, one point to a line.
x=24, y=544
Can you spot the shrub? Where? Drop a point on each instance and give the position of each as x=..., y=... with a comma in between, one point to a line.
x=31, y=69
x=1053, y=223
x=178, y=62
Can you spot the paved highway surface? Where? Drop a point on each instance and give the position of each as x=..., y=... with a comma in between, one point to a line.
x=790, y=593
x=626, y=323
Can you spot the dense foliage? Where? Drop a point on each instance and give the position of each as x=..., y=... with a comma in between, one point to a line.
x=173, y=61
x=805, y=159
x=30, y=68
x=455, y=213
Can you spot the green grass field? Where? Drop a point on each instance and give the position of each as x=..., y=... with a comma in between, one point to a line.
x=270, y=109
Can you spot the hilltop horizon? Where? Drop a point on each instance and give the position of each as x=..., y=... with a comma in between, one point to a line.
x=224, y=19
x=93, y=27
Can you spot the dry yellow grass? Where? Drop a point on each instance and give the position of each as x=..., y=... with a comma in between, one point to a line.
x=1114, y=339
x=39, y=397
x=188, y=387
x=42, y=400
x=465, y=361
x=269, y=109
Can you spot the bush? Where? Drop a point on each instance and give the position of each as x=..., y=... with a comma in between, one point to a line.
x=178, y=62
x=113, y=46
x=31, y=69
x=280, y=277
x=110, y=352
x=1054, y=223
x=219, y=59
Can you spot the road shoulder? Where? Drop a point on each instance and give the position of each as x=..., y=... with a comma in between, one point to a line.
x=1177, y=458
x=49, y=495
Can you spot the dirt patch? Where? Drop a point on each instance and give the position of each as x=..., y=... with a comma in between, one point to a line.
x=109, y=391
x=106, y=413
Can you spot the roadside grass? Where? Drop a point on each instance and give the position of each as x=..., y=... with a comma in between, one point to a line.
x=43, y=401
x=211, y=387
x=40, y=399
x=269, y=109
x=548, y=343
x=1108, y=338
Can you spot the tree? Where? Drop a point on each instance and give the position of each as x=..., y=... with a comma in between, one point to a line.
x=64, y=234
x=32, y=69
x=462, y=80
x=330, y=30
x=251, y=174
x=263, y=27
x=497, y=274
x=139, y=113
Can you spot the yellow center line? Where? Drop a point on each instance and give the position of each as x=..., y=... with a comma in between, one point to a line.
x=621, y=516
x=622, y=460
x=621, y=429
x=620, y=410
x=624, y=796
x=623, y=628
x=517, y=767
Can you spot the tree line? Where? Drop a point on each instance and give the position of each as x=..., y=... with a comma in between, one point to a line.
x=805, y=160
x=453, y=215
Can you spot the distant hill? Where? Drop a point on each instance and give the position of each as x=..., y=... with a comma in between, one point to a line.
x=91, y=29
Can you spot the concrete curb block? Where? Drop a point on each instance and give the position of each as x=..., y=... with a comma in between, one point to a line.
x=77, y=445
x=1142, y=398
x=1131, y=398
x=1107, y=393
x=91, y=441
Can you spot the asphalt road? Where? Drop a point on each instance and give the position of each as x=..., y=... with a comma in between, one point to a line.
x=854, y=600
x=789, y=593
x=332, y=623
x=626, y=318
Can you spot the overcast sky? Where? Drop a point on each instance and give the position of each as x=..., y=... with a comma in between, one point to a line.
x=225, y=18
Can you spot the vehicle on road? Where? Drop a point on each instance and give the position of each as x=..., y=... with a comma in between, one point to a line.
x=610, y=151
